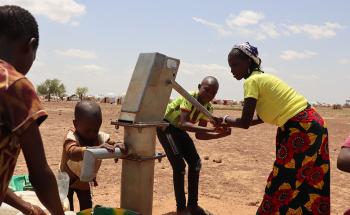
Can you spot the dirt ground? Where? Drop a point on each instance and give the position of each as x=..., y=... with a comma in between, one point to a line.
x=234, y=186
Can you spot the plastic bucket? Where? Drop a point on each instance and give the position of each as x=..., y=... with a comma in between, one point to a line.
x=20, y=183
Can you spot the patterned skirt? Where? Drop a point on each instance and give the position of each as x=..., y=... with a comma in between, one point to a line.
x=300, y=180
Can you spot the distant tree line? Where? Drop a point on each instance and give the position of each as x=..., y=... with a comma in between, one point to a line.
x=54, y=87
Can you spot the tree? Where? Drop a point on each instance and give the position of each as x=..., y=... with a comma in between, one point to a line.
x=81, y=92
x=50, y=88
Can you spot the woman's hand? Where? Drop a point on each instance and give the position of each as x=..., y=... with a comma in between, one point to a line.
x=33, y=210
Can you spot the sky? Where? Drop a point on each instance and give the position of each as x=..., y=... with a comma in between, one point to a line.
x=96, y=44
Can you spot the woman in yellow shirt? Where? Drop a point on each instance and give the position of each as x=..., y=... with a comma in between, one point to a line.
x=300, y=180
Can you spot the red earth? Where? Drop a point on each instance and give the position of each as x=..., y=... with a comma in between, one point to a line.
x=234, y=186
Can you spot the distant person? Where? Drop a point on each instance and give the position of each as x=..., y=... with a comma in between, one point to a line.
x=21, y=113
x=179, y=146
x=85, y=134
x=300, y=180
x=343, y=161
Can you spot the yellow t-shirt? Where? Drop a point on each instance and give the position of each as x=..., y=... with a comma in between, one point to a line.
x=276, y=101
x=174, y=109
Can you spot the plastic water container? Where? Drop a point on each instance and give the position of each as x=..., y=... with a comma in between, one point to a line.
x=28, y=196
x=6, y=209
x=62, y=179
x=21, y=181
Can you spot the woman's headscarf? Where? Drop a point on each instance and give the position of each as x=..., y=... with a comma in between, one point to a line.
x=250, y=51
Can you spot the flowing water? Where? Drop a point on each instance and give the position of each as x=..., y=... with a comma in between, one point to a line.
x=91, y=183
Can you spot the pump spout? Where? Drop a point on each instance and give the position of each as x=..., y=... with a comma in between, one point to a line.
x=89, y=161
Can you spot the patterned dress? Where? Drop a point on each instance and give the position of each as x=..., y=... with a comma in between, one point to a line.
x=300, y=180
x=19, y=108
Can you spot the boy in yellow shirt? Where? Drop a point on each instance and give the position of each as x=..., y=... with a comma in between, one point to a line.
x=179, y=146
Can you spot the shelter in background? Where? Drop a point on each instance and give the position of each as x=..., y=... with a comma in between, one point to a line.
x=73, y=98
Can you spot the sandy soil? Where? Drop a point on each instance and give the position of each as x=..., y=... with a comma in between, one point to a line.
x=234, y=186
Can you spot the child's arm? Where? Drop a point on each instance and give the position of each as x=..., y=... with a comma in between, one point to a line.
x=26, y=113
x=221, y=132
x=40, y=174
x=343, y=161
x=74, y=151
x=188, y=126
x=23, y=206
x=247, y=119
x=118, y=144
